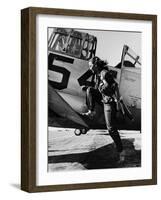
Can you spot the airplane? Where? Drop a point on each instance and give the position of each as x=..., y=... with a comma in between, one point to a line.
x=69, y=52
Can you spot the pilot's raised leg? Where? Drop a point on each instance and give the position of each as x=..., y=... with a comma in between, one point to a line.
x=92, y=96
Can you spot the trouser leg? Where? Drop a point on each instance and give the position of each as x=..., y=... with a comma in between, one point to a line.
x=109, y=117
x=89, y=99
x=116, y=138
x=92, y=96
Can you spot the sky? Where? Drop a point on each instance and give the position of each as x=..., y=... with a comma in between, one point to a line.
x=110, y=44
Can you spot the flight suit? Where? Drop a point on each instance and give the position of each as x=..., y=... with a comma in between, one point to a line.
x=93, y=95
x=108, y=91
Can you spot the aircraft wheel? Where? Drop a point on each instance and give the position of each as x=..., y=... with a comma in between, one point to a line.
x=84, y=131
x=77, y=132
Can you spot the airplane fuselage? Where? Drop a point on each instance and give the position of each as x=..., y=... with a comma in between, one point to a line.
x=69, y=52
x=65, y=74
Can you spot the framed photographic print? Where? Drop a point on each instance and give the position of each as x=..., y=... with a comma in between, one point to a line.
x=88, y=99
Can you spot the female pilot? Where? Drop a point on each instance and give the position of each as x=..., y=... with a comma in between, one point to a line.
x=110, y=95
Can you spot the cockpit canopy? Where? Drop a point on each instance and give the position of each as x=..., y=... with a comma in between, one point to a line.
x=73, y=43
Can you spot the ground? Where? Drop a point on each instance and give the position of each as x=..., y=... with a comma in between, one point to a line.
x=95, y=150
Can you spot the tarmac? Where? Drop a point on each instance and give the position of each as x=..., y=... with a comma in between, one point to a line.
x=94, y=150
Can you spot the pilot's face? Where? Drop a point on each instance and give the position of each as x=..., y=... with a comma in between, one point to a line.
x=93, y=67
x=90, y=65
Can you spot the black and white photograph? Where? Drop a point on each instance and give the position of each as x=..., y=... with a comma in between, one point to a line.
x=94, y=99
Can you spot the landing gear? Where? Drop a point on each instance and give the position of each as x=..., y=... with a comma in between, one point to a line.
x=78, y=132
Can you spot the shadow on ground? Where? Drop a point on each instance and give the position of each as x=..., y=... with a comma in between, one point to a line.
x=102, y=158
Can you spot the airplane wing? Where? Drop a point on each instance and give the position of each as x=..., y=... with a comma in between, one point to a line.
x=62, y=108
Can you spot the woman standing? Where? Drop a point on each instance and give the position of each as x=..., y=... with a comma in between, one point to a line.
x=110, y=95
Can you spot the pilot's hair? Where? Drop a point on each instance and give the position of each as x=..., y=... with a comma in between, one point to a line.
x=101, y=64
x=107, y=75
x=95, y=59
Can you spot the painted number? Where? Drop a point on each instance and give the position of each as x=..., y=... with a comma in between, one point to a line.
x=66, y=74
x=84, y=79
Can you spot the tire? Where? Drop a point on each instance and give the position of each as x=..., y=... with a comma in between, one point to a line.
x=77, y=132
x=84, y=131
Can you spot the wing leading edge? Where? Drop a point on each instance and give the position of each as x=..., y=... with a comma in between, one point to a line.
x=62, y=108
